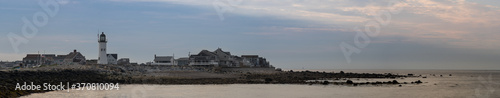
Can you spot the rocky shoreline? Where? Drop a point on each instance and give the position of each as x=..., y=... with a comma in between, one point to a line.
x=144, y=75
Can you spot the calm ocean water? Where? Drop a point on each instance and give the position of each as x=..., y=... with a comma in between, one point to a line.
x=461, y=84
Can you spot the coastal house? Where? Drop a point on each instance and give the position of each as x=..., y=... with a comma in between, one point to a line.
x=59, y=59
x=225, y=58
x=124, y=61
x=204, y=59
x=164, y=60
x=182, y=61
x=241, y=62
x=7, y=64
x=255, y=60
x=112, y=58
x=219, y=58
x=31, y=60
x=48, y=59
x=74, y=57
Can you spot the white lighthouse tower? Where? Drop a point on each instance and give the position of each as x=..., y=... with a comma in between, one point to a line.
x=103, y=58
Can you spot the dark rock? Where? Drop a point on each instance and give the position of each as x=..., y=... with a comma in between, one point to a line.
x=349, y=82
x=325, y=83
x=395, y=82
x=418, y=81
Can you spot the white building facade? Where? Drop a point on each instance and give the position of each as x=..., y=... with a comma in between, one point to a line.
x=112, y=59
x=164, y=60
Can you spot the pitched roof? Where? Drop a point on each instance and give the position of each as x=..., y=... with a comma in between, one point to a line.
x=113, y=55
x=71, y=55
x=220, y=50
x=250, y=56
x=163, y=58
x=32, y=57
x=60, y=57
x=184, y=58
x=49, y=55
x=206, y=53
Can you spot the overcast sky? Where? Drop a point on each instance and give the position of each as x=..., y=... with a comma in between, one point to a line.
x=292, y=34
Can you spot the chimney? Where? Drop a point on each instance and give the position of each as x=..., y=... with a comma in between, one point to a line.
x=74, y=51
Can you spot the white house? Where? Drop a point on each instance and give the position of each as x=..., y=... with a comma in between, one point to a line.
x=164, y=60
x=112, y=58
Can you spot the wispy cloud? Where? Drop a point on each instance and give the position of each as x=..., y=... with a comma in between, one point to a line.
x=456, y=11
